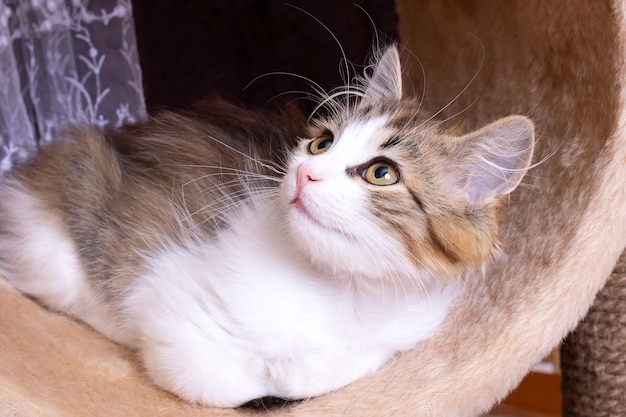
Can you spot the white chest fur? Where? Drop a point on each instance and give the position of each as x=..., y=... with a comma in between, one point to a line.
x=248, y=316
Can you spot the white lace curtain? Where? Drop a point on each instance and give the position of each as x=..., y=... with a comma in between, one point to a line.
x=65, y=61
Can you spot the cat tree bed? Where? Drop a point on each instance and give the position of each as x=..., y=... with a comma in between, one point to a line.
x=562, y=65
x=592, y=357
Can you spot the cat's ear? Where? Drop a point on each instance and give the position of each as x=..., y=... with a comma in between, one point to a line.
x=386, y=80
x=492, y=161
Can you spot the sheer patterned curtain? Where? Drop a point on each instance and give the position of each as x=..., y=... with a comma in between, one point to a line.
x=65, y=62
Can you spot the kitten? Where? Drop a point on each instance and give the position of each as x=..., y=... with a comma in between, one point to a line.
x=242, y=267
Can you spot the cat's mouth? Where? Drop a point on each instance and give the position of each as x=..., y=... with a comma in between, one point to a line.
x=301, y=208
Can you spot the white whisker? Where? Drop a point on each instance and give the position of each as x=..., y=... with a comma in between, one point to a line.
x=343, y=53
x=464, y=89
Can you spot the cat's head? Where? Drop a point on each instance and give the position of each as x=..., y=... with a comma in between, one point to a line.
x=377, y=189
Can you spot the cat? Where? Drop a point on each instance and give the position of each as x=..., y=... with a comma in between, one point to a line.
x=247, y=255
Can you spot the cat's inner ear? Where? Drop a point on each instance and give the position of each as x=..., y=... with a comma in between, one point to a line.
x=386, y=80
x=491, y=162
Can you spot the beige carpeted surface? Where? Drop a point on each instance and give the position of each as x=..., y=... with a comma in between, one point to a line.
x=594, y=356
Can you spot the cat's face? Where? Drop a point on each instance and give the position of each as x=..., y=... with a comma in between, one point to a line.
x=379, y=191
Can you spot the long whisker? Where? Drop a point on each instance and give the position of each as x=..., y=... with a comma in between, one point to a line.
x=316, y=87
x=423, y=70
x=369, y=17
x=233, y=172
x=343, y=53
x=303, y=95
x=256, y=161
x=355, y=91
x=463, y=110
x=467, y=86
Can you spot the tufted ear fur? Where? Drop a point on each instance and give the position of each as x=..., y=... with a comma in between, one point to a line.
x=491, y=161
x=386, y=81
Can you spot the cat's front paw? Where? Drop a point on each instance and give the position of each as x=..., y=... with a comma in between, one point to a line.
x=202, y=372
x=314, y=374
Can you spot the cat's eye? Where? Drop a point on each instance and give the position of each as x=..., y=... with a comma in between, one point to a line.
x=381, y=173
x=322, y=143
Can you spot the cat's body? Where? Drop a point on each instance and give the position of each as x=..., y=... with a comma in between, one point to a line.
x=237, y=277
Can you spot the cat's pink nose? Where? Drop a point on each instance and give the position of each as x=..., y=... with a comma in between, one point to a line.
x=305, y=175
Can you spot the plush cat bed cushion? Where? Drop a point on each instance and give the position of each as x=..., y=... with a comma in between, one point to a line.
x=563, y=65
